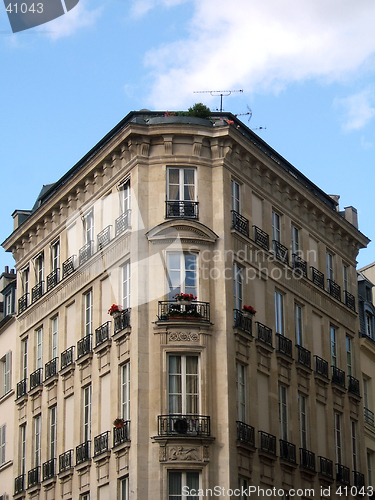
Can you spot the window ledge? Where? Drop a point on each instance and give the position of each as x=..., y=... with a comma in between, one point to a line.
x=6, y=396
x=6, y=465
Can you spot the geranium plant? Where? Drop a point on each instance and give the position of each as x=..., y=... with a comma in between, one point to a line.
x=185, y=296
x=249, y=309
x=114, y=308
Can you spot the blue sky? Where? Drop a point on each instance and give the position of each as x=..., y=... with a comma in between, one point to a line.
x=306, y=67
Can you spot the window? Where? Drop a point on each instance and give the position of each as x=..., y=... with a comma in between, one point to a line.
x=183, y=385
x=54, y=337
x=125, y=196
x=181, y=184
x=368, y=294
x=329, y=267
x=302, y=417
x=298, y=319
x=241, y=392
x=39, y=268
x=338, y=441
x=124, y=489
x=283, y=413
x=276, y=232
x=182, y=273
x=55, y=255
x=52, y=432
x=2, y=443
x=353, y=428
x=24, y=358
x=23, y=449
x=237, y=286
x=333, y=347
x=279, y=313
x=242, y=486
x=125, y=391
x=369, y=467
x=345, y=277
x=87, y=414
x=25, y=281
x=369, y=319
x=88, y=312
x=39, y=349
x=88, y=227
x=37, y=440
x=349, y=354
x=235, y=196
x=6, y=373
x=85, y=496
x=8, y=303
x=126, y=286
x=181, y=483
x=365, y=393
x=295, y=240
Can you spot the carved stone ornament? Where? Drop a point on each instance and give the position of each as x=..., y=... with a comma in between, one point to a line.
x=184, y=453
x=183, y=337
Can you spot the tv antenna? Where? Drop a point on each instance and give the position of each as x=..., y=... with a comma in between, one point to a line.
x=217, y=93
x=249, y=113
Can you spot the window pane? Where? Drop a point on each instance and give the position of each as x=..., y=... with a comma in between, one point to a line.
x=175, y=485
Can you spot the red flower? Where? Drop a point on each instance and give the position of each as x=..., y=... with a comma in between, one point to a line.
x=114, y=308
x=249, y=309
x=185, y=296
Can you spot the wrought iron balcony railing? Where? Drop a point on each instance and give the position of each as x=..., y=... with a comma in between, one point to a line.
x=66, y=461
x=287, y=451
x=68, y=266
x=353, y=385
x=349, y=300
x=84, y=346
x=338, y=376
x=281, y=252
x=121, y=320
x=67, y=357
x=37, y=291
x=49, y=469
x=303, y=356
x=53, y=279
x=184, y=425
x=342, y=474
x=358, y=479
x=102, y=333
x=121, y=434
x=23, y=302
x=264, y=333
x=267, y=443
x=86, y=252
x=321, y=366
x=369, y=416
x=33, y=477
x=326, y=467
x=317, y=277
x=242, y=321
x=261, y=238
x=284, y=345
x=36, y=378
x=307, y=459
x=334, y=289
x=245, y=433
x=22, y=388
x=19, y=484
x=104, y=237
x=83, y=452
x=101, y=443
x=299, y=265
x=240, y=223
x=181, y=209
x=170, y=310
x=51, y=368
x=122, y=223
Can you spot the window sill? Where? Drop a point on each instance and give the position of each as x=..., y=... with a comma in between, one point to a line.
x=6, y=465
x=6, y=396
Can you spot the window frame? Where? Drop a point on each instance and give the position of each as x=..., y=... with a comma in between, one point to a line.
x=283, y=411
x=330, y=266
x=125, y=391
x=182, y=396
x=55, y=255
x=126, y=284
x=183, y=269
x=337, y=428
x=39, y=268
x=184, y=483
x=333, y=344
x=88, y=312
x=88, y=227
x=279, y=313
x=298, y=317
x=349, y=355
x=294, y=239
x=181, y=183
x=276, y=226
x=37, y=440
x=241, y=392
x=238, y=286
x=302, y=418
x=6, y=373
x=235, y=196
x=39, y=348
x=3, y=442
x=86, y=416
x=52, y=448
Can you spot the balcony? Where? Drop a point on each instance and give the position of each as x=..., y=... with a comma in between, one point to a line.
x=264, y=333
x=19, y=484
x=307, y=459
x=67, y=357
x=170, y=310
x=101, y=443
x=281, y=252
x=321, y=366
x=240, y=223
x=68, y=267
x=181, y=210
x=299, y=265
x=121, y=435
x=66, y=461
x=51, y=368
x=358, y=480
x=22, y=388
x=23, y=303
x=85, y=252
x=349, y=300
x=37, y=291
x=369, y=416
x=243, y=322
x=36, y=378
x=267, y=443
x=342, y=474
x=49, y=469
x=338, y=376
x=334, y=289
x=122, y=223
x=261, y=238
x=83, y=452
x=284, y=345
x=326, y=467
x=287, y=451
x=84, y=346
x=353, y=385
x=104, y=237
x=245, y=434
x=33, y=477
x=303, y=356
x=317, y=277
x=184, y=425
x=52, y=279
x=102, y=333
x=121, y=320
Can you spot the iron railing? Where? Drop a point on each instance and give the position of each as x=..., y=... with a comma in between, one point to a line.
x=104, y=237
x=317, y=277
x=240, y=223
x=84, y=346
x=86, y=252
x=281, y=252
x=22, y=388
x=37, y=291
x=353, y=385
x=284, y=345
x=102, y=333
x=321, y=366
x=349, y=300
x=184, y=425
x=342, y=474
x=334, y=289
x=307, y=459
x=326, y=467
x=299, y=265
x=369, y=416
x=243, y=322
x=338, y=376
x=83, y=452
x=67, y=357
x=303, y=356
x=51, y=368
x=19, y=484
x=66, y=461
x=121, y=434
x=49, y=469
x=122, y=223
x=68, y=267
x=245, y=433
x=358, y=479
x=261, y=238
x=23, y=303
x=121, y=320
x=33, y=477
x=53, y=279
x=267, y=443
x=36, y=378
x=287, y=451
x=181, y=209
x=264, y=333
x=101, y=443
x=170, y=310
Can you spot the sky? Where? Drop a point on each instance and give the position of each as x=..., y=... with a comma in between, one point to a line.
x=306, y=68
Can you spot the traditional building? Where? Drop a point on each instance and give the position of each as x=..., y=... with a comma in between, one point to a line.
x=175, y=394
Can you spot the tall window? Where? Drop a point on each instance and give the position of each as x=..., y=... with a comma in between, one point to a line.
x=181, y=184
x=87, y=414
x=279, y=312
x=235, y=196
x=6, y=373
x=302, y=417
x=182, y=273
x=25, y=281
x=125, y=196
x=369, y=324
x=349, y=354
x=8, y=303
x=39, y=349
x=237, y=286
x=365, y=394
x=52, y=432
x=283, y=412
x=124, y=491
x=295, y=240
x=39, y=268
x=37, y=439
x=55, y=255
x=2, y=443
x=241, y=392
x=353, y=428
x=369, y=468
x=338, y=439
x=298, y=320
x=345, y=277
x=329, y=266
x=333, y=346
x=24, y=345
x=88, y=312
x=125, y=391
x=54, y=337
x=242, y=485
x=183, y=385
x=88, y=227
x=126, y=285
x=23, y=449
x=179, y=480
x=276, y=231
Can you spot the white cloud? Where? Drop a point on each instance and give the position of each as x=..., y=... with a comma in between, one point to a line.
x=77, y=18
x=260, y=45
x=141, y=7
x=358, y=109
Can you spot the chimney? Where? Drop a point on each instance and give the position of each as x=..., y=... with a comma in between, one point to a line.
x=7, y=269
x=19, y=216
x=351, y=216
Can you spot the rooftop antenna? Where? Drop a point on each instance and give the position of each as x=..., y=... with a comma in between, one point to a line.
x=249, y=113
x=217, y=93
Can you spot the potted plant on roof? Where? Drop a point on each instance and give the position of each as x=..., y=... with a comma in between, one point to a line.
x=115, y=310
x=184, y=299
x=248, y=311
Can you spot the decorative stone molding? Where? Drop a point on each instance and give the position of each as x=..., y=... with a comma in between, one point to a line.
x=183, y=337
x=184, y=453
x=168, y=142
